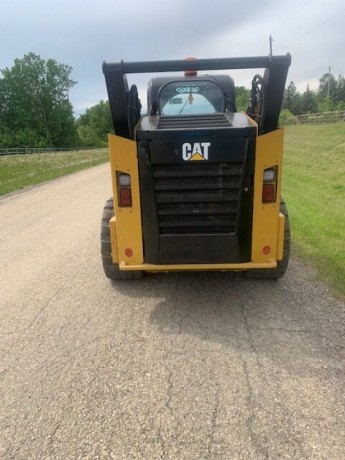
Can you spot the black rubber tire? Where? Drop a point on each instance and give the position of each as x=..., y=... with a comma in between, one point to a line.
x=112, y=270
x=279, y=271
x=133, y=109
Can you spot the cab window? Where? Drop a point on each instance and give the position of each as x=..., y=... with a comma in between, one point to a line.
x=190, y=98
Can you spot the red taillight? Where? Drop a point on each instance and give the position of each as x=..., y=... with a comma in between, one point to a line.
x=268, y=194
x=124, y=189
x=269, y=185
x=125, y=197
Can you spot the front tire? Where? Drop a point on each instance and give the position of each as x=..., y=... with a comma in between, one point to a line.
x=112, y=270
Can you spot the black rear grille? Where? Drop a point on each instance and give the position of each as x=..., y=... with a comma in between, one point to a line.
x=216, y=120
x=197, y=198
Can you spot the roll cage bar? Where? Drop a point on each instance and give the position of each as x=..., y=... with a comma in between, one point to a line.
x=273, y=81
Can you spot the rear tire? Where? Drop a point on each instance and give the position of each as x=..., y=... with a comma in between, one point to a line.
x=112, y=270
x=279, y=271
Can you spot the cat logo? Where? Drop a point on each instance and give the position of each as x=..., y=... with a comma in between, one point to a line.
x=197, y=151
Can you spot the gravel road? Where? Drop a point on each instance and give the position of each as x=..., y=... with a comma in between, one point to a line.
x=178, y=366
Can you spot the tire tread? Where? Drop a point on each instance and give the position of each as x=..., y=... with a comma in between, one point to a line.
x=112, y=270
x=279, y=271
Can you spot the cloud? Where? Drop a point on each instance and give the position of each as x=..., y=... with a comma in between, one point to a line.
x=83, y=33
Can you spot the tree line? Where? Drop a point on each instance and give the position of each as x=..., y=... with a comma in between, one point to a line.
x=34, y=107
x=330, y=96
x=35, y=110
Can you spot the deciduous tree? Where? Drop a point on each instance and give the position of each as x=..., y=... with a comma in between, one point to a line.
x=34, y=103
x=94, y=125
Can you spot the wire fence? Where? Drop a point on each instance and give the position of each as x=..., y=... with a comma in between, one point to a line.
x=308, y=118
x=316, y=118
x=30, y=150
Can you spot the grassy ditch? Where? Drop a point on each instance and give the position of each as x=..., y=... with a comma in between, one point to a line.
x=18, y=171
x=314, y=189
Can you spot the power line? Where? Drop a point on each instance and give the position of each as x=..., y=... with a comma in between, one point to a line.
x=320, y=63
x=290, y=17
x=304, y=56
x=287, y=20
x=312, y=30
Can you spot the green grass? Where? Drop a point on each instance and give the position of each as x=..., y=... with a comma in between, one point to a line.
x=18, y=171
x=314, y=189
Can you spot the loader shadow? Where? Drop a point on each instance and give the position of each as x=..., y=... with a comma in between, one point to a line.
x=286, y=321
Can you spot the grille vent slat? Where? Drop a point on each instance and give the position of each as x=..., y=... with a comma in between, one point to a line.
x=227, y=183
x=197, y=198
x=216, y=120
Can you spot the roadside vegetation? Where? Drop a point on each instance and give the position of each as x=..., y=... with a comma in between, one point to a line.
x=18, y=171
x=314, y=190
x=35, y=111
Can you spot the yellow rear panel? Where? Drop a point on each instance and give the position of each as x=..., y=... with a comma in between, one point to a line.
x=269, y=153
x=268, y=223
x=123, y=158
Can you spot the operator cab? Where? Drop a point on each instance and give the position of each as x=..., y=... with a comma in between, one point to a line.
x=173, y=96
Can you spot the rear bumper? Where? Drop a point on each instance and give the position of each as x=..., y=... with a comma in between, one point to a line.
x=197, y=267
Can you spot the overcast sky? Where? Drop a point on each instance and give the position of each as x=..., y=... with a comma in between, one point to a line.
x=84, y=33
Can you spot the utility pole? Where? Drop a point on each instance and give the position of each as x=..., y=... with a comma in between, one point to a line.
x=271, y=40
x=329, y=82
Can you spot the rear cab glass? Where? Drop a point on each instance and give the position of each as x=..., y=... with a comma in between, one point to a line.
x=192, y=97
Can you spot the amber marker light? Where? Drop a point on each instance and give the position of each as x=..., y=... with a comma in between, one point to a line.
x=266, y=250
x=190, y=73
x=128, y=252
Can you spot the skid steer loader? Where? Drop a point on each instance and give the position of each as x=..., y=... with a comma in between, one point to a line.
x=196, y=184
